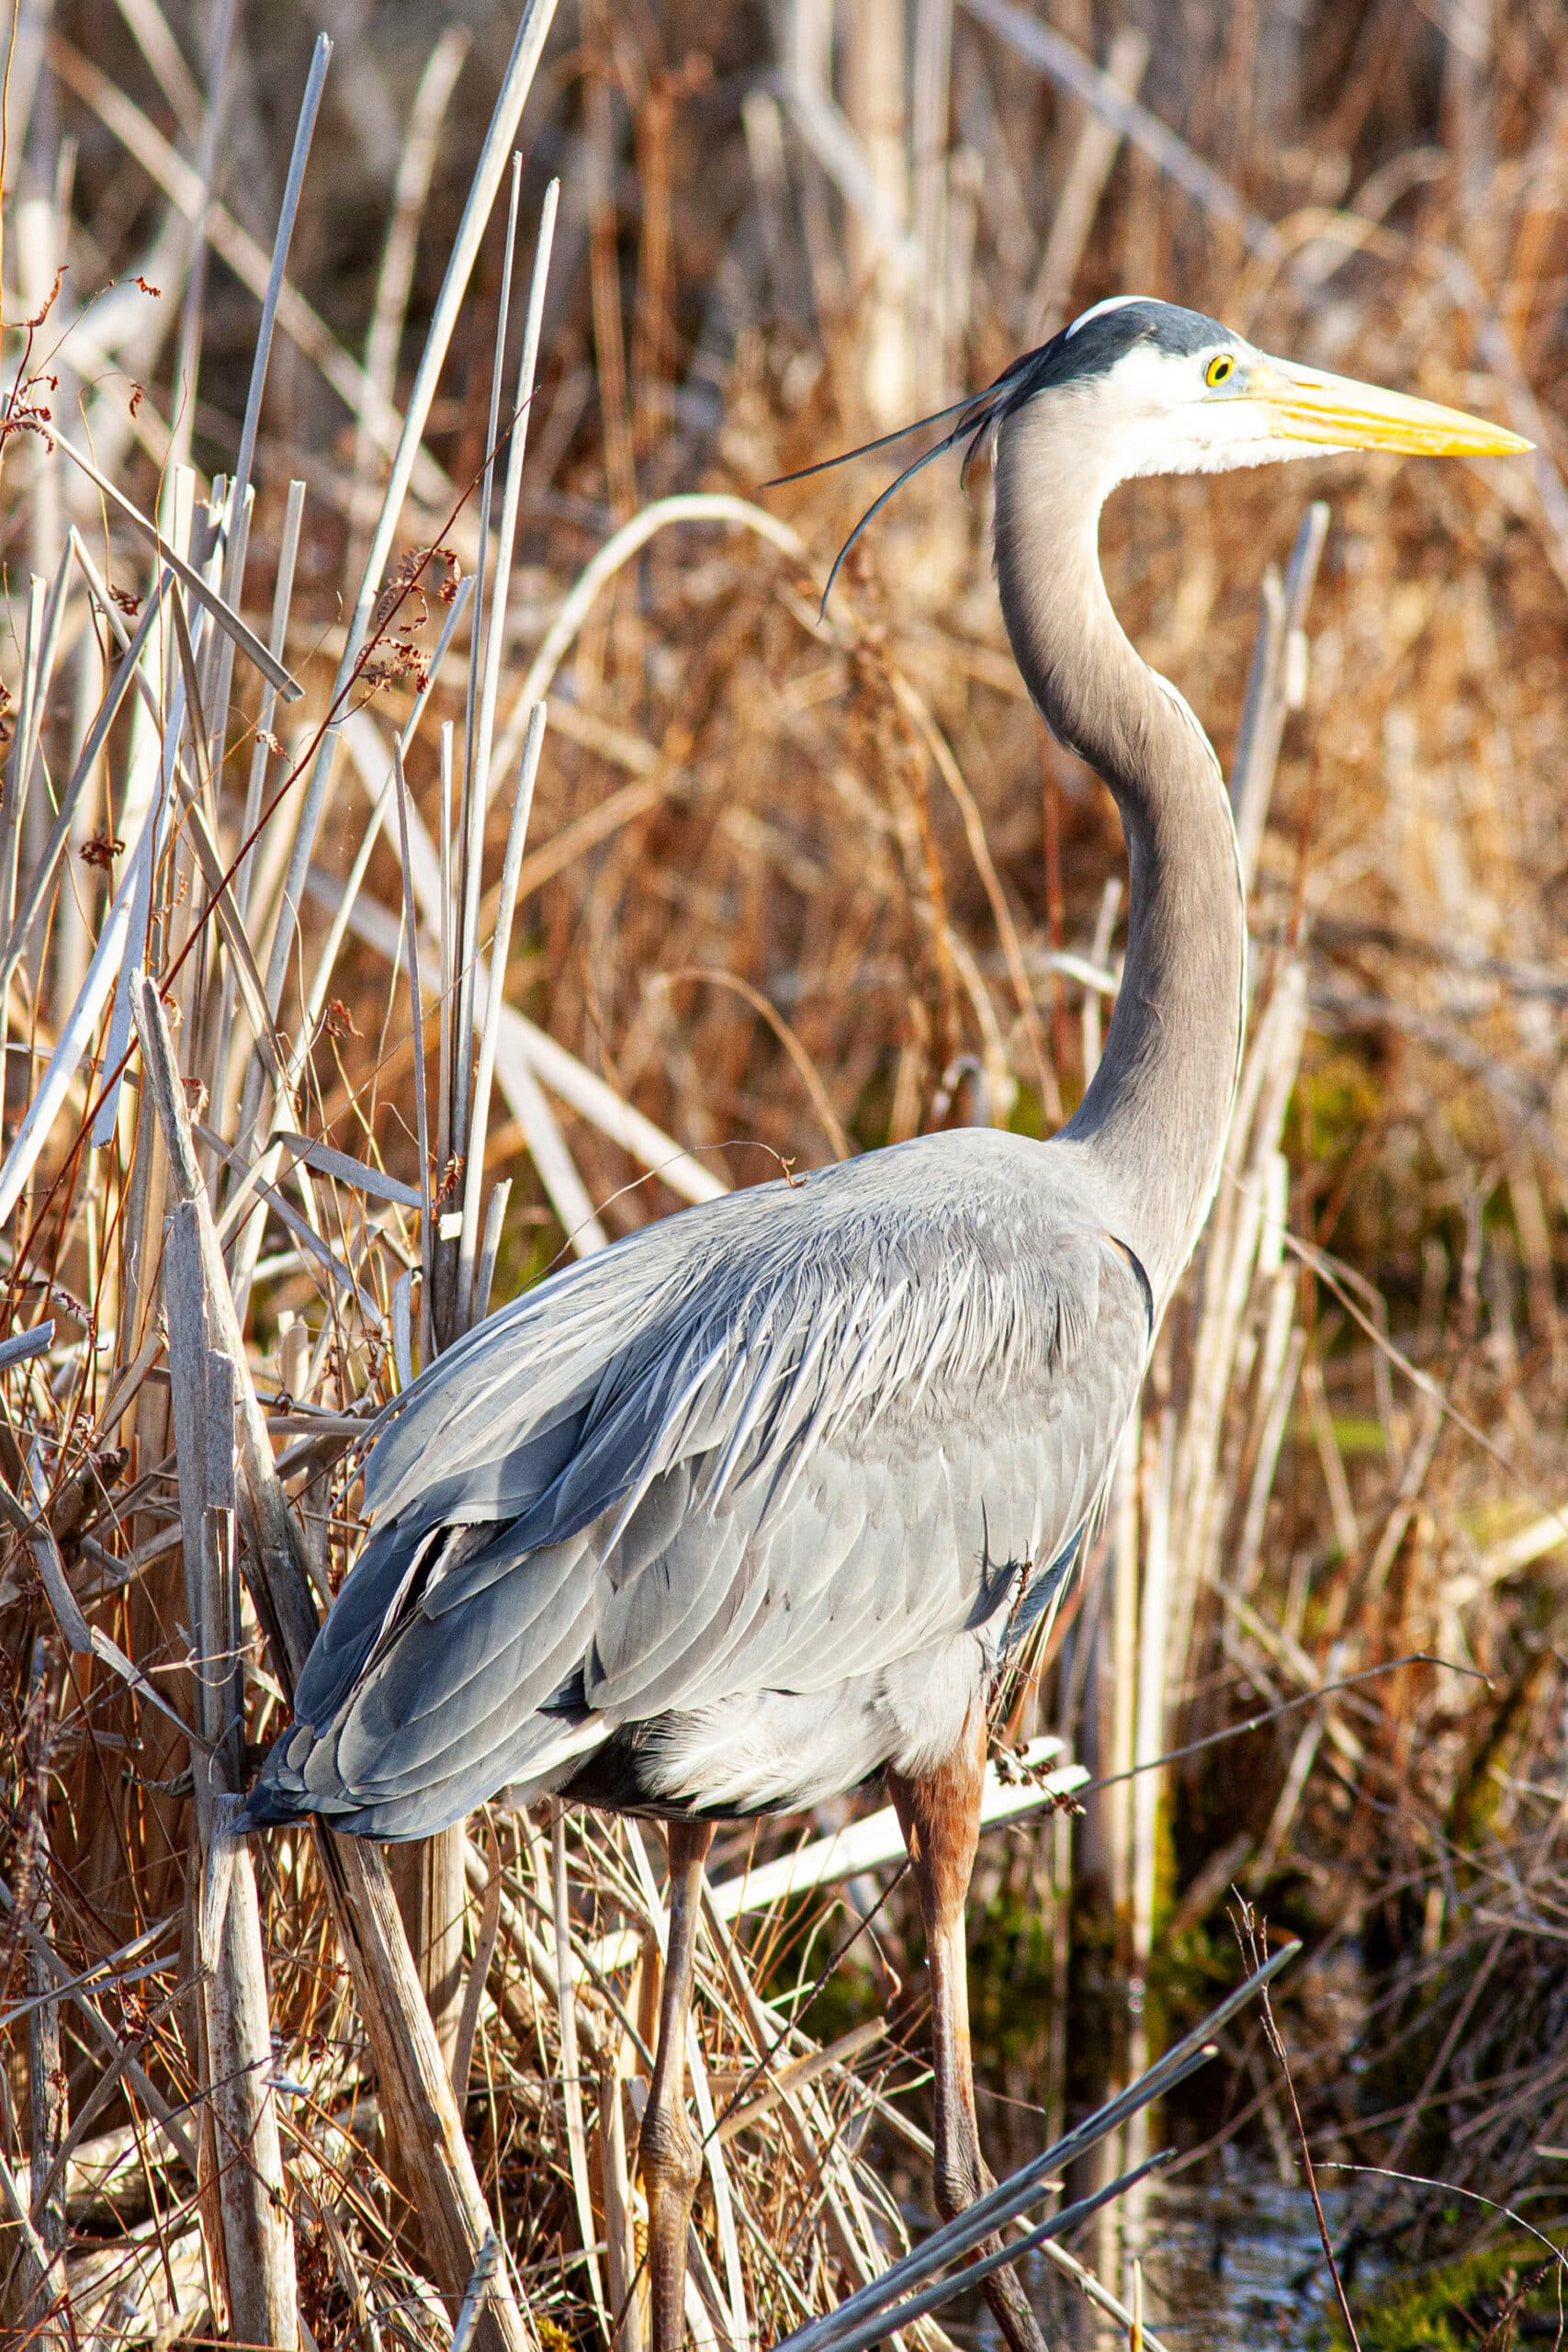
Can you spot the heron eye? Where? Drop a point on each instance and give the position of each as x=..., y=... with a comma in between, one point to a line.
x=1218, y=368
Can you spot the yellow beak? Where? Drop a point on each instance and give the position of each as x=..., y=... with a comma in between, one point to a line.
x=1336, y=412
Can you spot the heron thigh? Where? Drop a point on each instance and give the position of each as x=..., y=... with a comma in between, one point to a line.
x=770, y=1751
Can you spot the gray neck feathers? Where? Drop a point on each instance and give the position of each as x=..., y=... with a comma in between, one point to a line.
x=1155, y=1118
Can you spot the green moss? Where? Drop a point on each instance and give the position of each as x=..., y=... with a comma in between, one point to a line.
x=1337, y=1097
x=1457, y=2305
x=870, y=1122
x=527, y=1254
x=1359, y=1433
x=1027, y=1114
x=1010, y=1968
x=850, y=1996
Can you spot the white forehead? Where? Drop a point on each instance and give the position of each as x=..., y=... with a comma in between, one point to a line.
x=1145, y=378
x=1098, y=310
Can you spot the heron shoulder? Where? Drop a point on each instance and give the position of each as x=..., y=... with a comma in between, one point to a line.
x=930, y=1264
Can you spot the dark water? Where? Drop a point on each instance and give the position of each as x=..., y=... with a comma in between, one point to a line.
x=1234, y=2263
x=1229, y=2249
x=1229, y=2264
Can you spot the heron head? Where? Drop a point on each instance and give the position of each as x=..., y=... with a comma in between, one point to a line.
x=1136, y=385
x=1148, y=388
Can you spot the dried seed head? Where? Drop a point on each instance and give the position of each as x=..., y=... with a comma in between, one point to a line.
x=38, y=316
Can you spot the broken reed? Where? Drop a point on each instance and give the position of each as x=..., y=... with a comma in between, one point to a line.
x=846, y=822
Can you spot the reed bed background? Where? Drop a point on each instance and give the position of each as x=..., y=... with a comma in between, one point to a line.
x=390, y=605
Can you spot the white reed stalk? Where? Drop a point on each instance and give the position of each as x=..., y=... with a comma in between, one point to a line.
x=930, y=98
x=72, y=936
x=571, y=2080
x=876, y=36
x=140, y=876
x=261, y=750
x=477, y=786
x=20, y=767
x=1098, y=956
x=495, y=1222
x=484, y=1076
x=37, y=675
x=620, y=2229
x=1282, y=1352
x=220, y=33
x=416, y=1014
x=402, y=1328
x=1275, y=685
x=42, y=677
x=240, y=489
x=444, y=944
x=1159, y=1453
x=741, y=2330
x=471, y=851
x=1226, y=1283
x=1124, y=1671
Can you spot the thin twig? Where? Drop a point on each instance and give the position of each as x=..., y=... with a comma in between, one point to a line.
x=1249, y=1935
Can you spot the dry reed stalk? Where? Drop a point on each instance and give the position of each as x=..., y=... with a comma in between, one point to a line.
x=257, y=2254
x=874, y=41
x=1083, y=187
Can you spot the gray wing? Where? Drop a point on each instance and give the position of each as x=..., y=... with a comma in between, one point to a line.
x=782, y=1440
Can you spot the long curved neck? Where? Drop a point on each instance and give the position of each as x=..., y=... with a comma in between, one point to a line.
x=1155, y=1119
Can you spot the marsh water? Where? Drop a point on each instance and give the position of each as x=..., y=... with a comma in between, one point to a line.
x=1231, y=2263
x=1229, y=2248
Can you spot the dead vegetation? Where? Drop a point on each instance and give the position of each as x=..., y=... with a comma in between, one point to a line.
x=769, y=887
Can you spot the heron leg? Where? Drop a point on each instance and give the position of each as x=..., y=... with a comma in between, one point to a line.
x=667, y=2154
x=940, y=1814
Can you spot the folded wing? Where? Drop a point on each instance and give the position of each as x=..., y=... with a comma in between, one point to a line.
x=781, y=1443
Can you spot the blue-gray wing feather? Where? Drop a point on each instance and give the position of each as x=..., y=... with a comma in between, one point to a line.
x=789, y=1441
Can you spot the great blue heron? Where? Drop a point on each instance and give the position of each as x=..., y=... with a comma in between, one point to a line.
x=753, y=1506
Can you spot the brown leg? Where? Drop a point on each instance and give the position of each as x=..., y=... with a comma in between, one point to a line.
x=940, y=1816
x=667, y=2154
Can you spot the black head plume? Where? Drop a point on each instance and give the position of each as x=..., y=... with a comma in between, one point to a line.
x=973, y=414
x=1090, y=347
